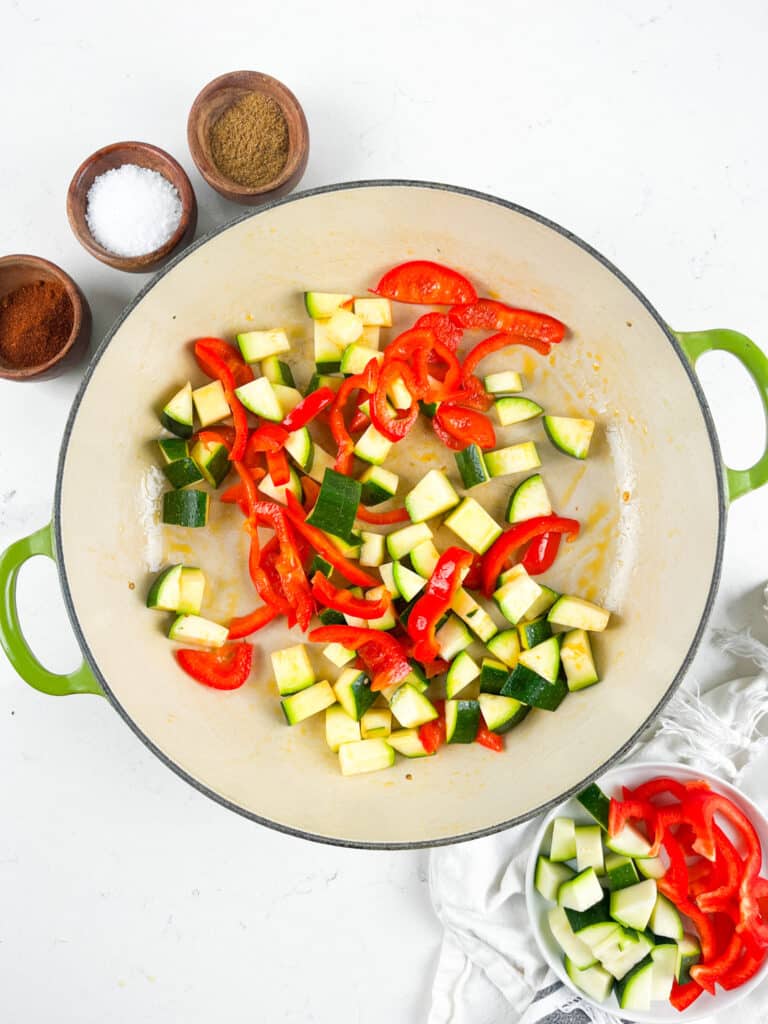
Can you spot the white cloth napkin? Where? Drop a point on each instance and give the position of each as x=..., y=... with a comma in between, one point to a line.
x=490, y=969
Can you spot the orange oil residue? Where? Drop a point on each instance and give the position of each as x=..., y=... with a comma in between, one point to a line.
x=626, y=495
x=552, y=360
x=593, y=412
x=528, y=365
x=600, y=515
x=574, y=483
x=177, y=547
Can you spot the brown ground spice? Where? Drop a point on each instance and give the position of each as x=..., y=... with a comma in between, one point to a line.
x=35, y=323
x=249, y=142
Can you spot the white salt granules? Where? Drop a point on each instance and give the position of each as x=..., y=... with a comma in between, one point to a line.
x=132, y=210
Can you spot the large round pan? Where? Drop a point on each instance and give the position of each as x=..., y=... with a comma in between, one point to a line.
x=652, y=499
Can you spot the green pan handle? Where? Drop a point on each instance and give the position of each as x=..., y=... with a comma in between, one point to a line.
x=695, y=344
x=12, y=639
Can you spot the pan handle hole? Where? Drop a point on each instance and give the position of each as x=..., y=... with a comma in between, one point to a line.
x=736, y=408
x=43, y=617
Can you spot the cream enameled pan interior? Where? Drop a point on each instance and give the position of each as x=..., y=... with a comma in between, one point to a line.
x=653, y=459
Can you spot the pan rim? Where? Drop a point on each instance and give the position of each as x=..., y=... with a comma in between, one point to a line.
x=443, y=840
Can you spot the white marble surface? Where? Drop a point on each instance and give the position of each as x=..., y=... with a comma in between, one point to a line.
x=125, y=895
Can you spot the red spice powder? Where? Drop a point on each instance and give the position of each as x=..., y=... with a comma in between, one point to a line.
x=35, y=323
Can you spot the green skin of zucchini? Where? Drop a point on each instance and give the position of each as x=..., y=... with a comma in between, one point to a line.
x=492, y=679
x=596, y=803
x=185, y=508
x=182, y=473
x=530, y=688
x=467, y=722
x=336, y=505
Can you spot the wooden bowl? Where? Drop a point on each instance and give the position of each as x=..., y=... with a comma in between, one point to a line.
x=211, y=103
x=143, y=155
x=18, y=270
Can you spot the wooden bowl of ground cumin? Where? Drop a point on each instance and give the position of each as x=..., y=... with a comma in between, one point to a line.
x=248, y=136
x=45, y=320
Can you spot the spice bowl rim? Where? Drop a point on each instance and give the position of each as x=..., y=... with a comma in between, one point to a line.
x=298, y=145
x=79, y=336
x=132, y=151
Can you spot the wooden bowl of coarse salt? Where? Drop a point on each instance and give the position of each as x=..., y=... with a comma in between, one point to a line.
x=131, y=205
x=248, y=136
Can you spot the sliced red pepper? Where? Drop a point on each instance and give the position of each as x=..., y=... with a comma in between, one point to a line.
x=474, y=578
x=269, y=437
x=541, y=553
x=325, y=547
x=382, y=654
x=513, y=538
x=358, y=421
x=750, y=962
x=244, y=625
x=395, y=515
x=495, y=344
x=430, y=607
x=728, y=860
x=443, y=328
x=308, y=408
x=394, y=424
x=224, y=669
x=489, y=315
x=293, y=578
x=707, y=974
x=662, y=785
x=465, y=425
x=432, y=734
x=674, y=883
x=210, y=353
x=237, y=494
x=454, y=443
x=365, y=381
x=342, y=601
x=432, y=388
x=471, y=395
x=277, y=467
x=436, y=667
x=426, y=283
x=703, y=925
x=684, y=996
x=217, y=435
x=622, y=811
x=491, y=740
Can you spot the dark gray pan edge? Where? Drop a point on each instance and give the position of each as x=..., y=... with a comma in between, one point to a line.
x=464, y=837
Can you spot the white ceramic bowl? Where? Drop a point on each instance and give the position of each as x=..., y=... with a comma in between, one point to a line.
x=611, y=783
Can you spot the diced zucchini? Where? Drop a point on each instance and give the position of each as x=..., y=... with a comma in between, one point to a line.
x=463, y=670
x=621, y=871
x=594, y=934
x=477, y=618
x=431, y=496
x=399, y=395
x=376, y=723
x=186, y=508
x=370, y=336
x=260, y=397
x=576, y=613
x=506, y=647
x=408, y=743
x=543, y=602
x=183, y=472
x=650, y=867
x=353, y=620
x=501, y=713
x=589, y=848
x=424, y=558
x=596, y=803
x=664, y=958
x=581, y=920
x=543, y=659
x=462, y=720
x=321, y=461
x=378, y=485
x=507, y=382
x=372, y=446
x=387, y=573
x=473, y=525
x=408, y=583
x=306, y=703
x=340, y=727
x=374, y=312
x=355, y=358
x=165, y=593
x=471, y=466
x=211, y=404
x=177, y=415
x=173, y=449
x=516, y=410
x=292, y=669
x=570, y=436
x=267, y=486
x=301, y=448
x=372, y=548
x=329, y=616
x=635, y=990
x=317, y=381
x=401, y=542
x=386, y=621
x=194, y=629
x=633, y=948
x=576, y=950
x=349, y=548
x=212, y=458
x=412, y=708
x=415, y=678
x=665, y=919
x=528, y=500
x=327, y=353
x=277, y=372
x=336, y=506
x=338, y=654
x=576, y=655
x=594, y=981
x=629, y=841
x=517, y=594
x=581, y=892
x=517, y=458
x=549, y=875
x=493, y=675
x=322, y=305
x=688, y=954
x=562, y=846
x=191, y=591
x=353, y=692
x=288, y=398
x=365, y=756
x=634, y=905
x=534, y=632
x=258, y=345
x=530, y=688
x=452, y=637
x=344, y=327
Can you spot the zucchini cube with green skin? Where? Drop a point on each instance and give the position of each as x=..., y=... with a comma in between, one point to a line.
x=452, y=637
x=621, y=871
x=327, y=352
x=688, y=954
x=278, y=492
x=288, y=398
x=399, y=395
x=211, y=403
x=471, y=465
x=571, y=436
x=370, y=337
x=664, y=958
x=462, y=720
x=571, y=944
x=543, y=659
x=387, y=573
x=186, y=508
x=578, y=663
x=408, y=743
x=322, y=305
x=339, y=655
x=258, y=345
x=408, y=583
x=534, y=632
x=634, y=905
x=372, y=550
x=516, y=410
x=277, y=372
x=665, y=919
x=191, y=590
x=562, y=846
x=517, y=594
x=365, y=756
x=401, y=542
x=182, y=473
x=506, y=382
x=177, y=413
x=516, y=458
x=212, y=459
x=431, y=496
x=477, y=618
x=501, y=713
x=412, y=708
x=633, y=948
x=634, y=991
x=374, y=312
x=528, y=500
x=576, y=613
x=165, y=593
x=542, y=604
x=260, y=397
x=301, y=448
x=593, y=981
x=317, y=381
x=355, y=359
x=305, y=703
x=630, y=841
x=336, y=506
x=389, y=619
x=194, y=629
x=173, y=449
x=340, y=727
x=589, y=848
x=344, y=327
x=353, y=692
x=581, y=892
x=463, y=671
x=372, y=446
x=472, y=524
x=292, y=669
x=596, y=803
x=321, y=461
x=550, y=876
x=598, y=913
x=493, y=675
x=424, y=557
x=532, y=689
x=376, y=723
x=378, y=485
x=505, y=646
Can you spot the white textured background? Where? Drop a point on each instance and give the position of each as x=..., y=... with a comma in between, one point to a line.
x=124, y=895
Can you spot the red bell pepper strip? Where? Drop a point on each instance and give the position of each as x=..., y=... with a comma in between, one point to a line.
x=684, y=996
x=454, y=443
x=750, y=962
x=491, y=740
x=674, y=883
x=662, y=785
x=382, y=654
x=244, y=625
x=426, y=283
x=394, y=424
x=277, y=467
x=224, y=669
x=358, y=421
x=237, y=494
x=541, y=553
x=211, y=352
x=325, y=547
x=436, y=667
x=703, y=925
x=471, y=395
x=308, y=408
x=495, y=344
x=430, y=387
x=293, y=578
x=342, y=601
x=443, y=328
x=465, y=425
x=707, y=974
x=727, y=858
x=395, y=515
x=435, y=601
x=474, y=578
x=219, y=435
x=489, y=315
x=432, y=734
x=269, y=437
x=365, y=381
x=514, y=538
x=622, y=811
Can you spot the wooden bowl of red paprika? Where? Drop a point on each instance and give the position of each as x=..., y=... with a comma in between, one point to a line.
x=45, y=320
